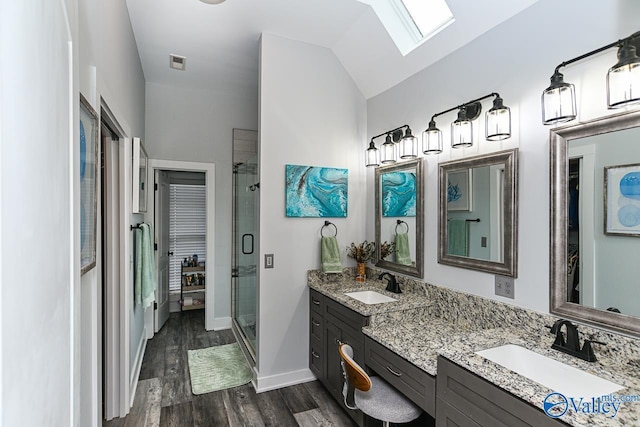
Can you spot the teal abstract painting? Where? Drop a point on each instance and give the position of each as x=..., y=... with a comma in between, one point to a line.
x=313, y=191
x=399, y=194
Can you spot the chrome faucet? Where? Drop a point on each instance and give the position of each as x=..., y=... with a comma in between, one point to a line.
x=571, y=345
x=392, y=284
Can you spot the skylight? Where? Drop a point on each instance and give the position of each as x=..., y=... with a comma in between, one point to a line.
x=412, y=22
x=428, y=16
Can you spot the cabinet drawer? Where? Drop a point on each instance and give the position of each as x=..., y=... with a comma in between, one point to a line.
x=316, y=301
x=316, y=358
x=316, y=326
x=410, y=380
x=484, y=403
x=344, y=317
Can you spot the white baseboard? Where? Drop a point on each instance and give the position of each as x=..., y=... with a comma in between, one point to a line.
x=262, y=384
x=135, y=374
x=221, y=323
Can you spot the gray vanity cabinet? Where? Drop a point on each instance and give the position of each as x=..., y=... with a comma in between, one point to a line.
x=466, y=400
x=331, y=323
x=410, y=380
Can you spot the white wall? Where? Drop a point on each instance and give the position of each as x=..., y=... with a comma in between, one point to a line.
x=515, y=59
x=39, y=243
x=197, y=125
x=311, y=113
x=109, y=68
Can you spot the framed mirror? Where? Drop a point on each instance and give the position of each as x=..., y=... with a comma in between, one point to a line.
x=478, y=213
x=139, y=176
x=595, y=222
x=400, y=217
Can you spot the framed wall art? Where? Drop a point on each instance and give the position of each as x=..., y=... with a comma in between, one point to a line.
x=313, y=191
x=398, y=194
x=622, y=200
x=88, y=182
x=459, y=187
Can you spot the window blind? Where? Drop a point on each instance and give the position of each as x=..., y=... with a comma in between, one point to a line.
x=187, y=228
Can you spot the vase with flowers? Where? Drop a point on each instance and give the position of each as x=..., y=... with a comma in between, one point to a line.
x=362, y=253
x=387, y=249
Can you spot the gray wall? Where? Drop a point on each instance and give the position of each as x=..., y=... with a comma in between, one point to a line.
x=197, y=125
x=311, y=113
x=515, y=59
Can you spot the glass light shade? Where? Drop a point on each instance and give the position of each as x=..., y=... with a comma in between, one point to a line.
x=432, y=139
x=372, y=156
x=498, y=121
x=623, y=79
x=558, y=101
x=461, y=131
x=408, y=146
x=388, y=155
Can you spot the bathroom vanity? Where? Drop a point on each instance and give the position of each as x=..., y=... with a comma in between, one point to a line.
x=331, y=323
x=425, y=344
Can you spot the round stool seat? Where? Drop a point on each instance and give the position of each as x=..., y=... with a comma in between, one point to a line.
x=385, y=403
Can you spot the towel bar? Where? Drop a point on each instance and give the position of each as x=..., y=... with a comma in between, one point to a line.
x=133, y=227
x=468, y=220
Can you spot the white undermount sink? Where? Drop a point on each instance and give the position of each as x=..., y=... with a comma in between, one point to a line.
x=370, y=297
x=557, y=376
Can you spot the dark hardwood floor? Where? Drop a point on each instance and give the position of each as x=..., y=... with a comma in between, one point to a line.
x=164, y=398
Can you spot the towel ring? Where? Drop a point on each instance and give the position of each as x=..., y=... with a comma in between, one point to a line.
x=400, y=222
x=326, y=224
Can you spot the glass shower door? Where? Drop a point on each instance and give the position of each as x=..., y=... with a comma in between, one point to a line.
x=246, y=199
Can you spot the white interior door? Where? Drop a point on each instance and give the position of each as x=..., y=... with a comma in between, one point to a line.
x=163, y=254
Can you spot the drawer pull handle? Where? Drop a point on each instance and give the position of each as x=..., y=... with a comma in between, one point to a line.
x=315, y=302
x=339, y=342
x=315, y=323
x=314, y=354
x=397, y=374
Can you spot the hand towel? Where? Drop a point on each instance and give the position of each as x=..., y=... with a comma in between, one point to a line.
x=148, y=279
x=330, y=255
x=458, y=237
x=403, y=252
x=137, y=276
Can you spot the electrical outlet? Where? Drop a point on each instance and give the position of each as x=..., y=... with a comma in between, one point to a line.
x=505, y=286
x=268, y=261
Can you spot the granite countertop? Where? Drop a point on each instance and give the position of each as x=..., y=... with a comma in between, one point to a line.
x=341, y=284
x=418, y=341
x=461, y=350
x=416, y=329
x=421, y=341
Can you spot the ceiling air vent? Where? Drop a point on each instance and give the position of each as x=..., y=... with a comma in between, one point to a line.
x=177, y=62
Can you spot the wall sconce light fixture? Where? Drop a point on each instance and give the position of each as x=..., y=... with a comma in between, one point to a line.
x=396, y=143
x=623, y=83
x=498, y=125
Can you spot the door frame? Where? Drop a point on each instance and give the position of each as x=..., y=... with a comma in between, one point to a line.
x=118, y=387
x=209, y=170
x=158, y=173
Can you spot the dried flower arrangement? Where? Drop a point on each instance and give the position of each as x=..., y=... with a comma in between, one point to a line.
x=387, y=249
x=363, y=252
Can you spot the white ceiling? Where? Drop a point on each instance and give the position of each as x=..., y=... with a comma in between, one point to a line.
x=220, y=42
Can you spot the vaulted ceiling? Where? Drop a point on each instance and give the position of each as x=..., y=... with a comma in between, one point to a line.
x=220, y=41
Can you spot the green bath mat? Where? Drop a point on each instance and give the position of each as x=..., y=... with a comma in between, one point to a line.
x=217, y=368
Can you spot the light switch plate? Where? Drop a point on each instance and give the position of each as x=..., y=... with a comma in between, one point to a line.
x=268, y=260
x=505, y=286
